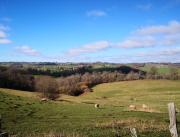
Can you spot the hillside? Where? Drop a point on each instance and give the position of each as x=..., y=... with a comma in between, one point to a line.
x=155, y=93
x=24, y=115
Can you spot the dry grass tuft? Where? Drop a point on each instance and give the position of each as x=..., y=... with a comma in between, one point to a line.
x=140, y=125
x=143, y=108
x=51, y=134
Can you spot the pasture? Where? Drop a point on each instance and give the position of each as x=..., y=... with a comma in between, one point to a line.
x=24, y=114
x=161, y=69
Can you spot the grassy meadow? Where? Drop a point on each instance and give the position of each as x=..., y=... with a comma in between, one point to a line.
x=24, y=114
x=161, y=69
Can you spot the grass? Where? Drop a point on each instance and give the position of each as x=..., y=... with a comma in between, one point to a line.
x=20, y=93
x=154, y=93
x=24, y=114
x=162, y=69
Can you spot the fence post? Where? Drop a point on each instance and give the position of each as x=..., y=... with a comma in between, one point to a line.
x=133, y=132
x=172, y=118
x=0, y=124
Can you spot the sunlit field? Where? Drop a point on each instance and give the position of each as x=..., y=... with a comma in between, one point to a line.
x=24, y=114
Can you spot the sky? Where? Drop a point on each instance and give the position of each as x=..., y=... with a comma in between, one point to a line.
x=118, y=31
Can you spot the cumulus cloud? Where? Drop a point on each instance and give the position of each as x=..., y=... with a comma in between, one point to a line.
x=160, y=37
x=149, y=36
x=90, y=48
x=156, y=35
x=26, y=50
x=96, y=13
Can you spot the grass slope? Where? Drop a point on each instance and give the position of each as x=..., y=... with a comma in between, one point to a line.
x=24, y=115
x=154, y=93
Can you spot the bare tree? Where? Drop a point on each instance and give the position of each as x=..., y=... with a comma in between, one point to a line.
x=132, y=76
x=48, y=87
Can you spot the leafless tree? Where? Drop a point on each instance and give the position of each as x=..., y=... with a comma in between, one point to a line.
x=48, y=87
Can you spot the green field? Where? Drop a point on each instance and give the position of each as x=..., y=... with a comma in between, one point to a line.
x=24, y=114
x=161, y=69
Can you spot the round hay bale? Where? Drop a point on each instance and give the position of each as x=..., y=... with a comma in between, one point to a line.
x=96, y=105
x=132, y=107
x=44, y=99
x=144, y=106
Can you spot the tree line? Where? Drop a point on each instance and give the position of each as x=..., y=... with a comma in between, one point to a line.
x=14, y=78
x=64, y=72
x=153, y=73
x=78, y=84
x=75, y=84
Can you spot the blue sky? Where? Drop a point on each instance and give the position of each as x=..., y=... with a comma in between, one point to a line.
x=119, y=31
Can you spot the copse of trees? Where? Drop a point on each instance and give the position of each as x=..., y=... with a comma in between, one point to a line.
x=74, y=81
x=48, y=87
x=133, y=76
x=70, y=85
x=16, y=79
x=77, y=84
x=153, y=73
x=59, y=71
x=174, y=73
x=64, y=72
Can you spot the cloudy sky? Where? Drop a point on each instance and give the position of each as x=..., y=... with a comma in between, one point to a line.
x=117, y=31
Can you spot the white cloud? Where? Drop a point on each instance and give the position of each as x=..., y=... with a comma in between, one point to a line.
x=4, y=28
x=5, y=41
x=3, y=35
x=151, y=36
x=137, y=42
x=96, y=13
x=163, y=52
x=170, y=52
x=26, y=50
x=163, y=55
x=90, y=48
x=173, y=27
x=144, y=7
x=157, y=35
